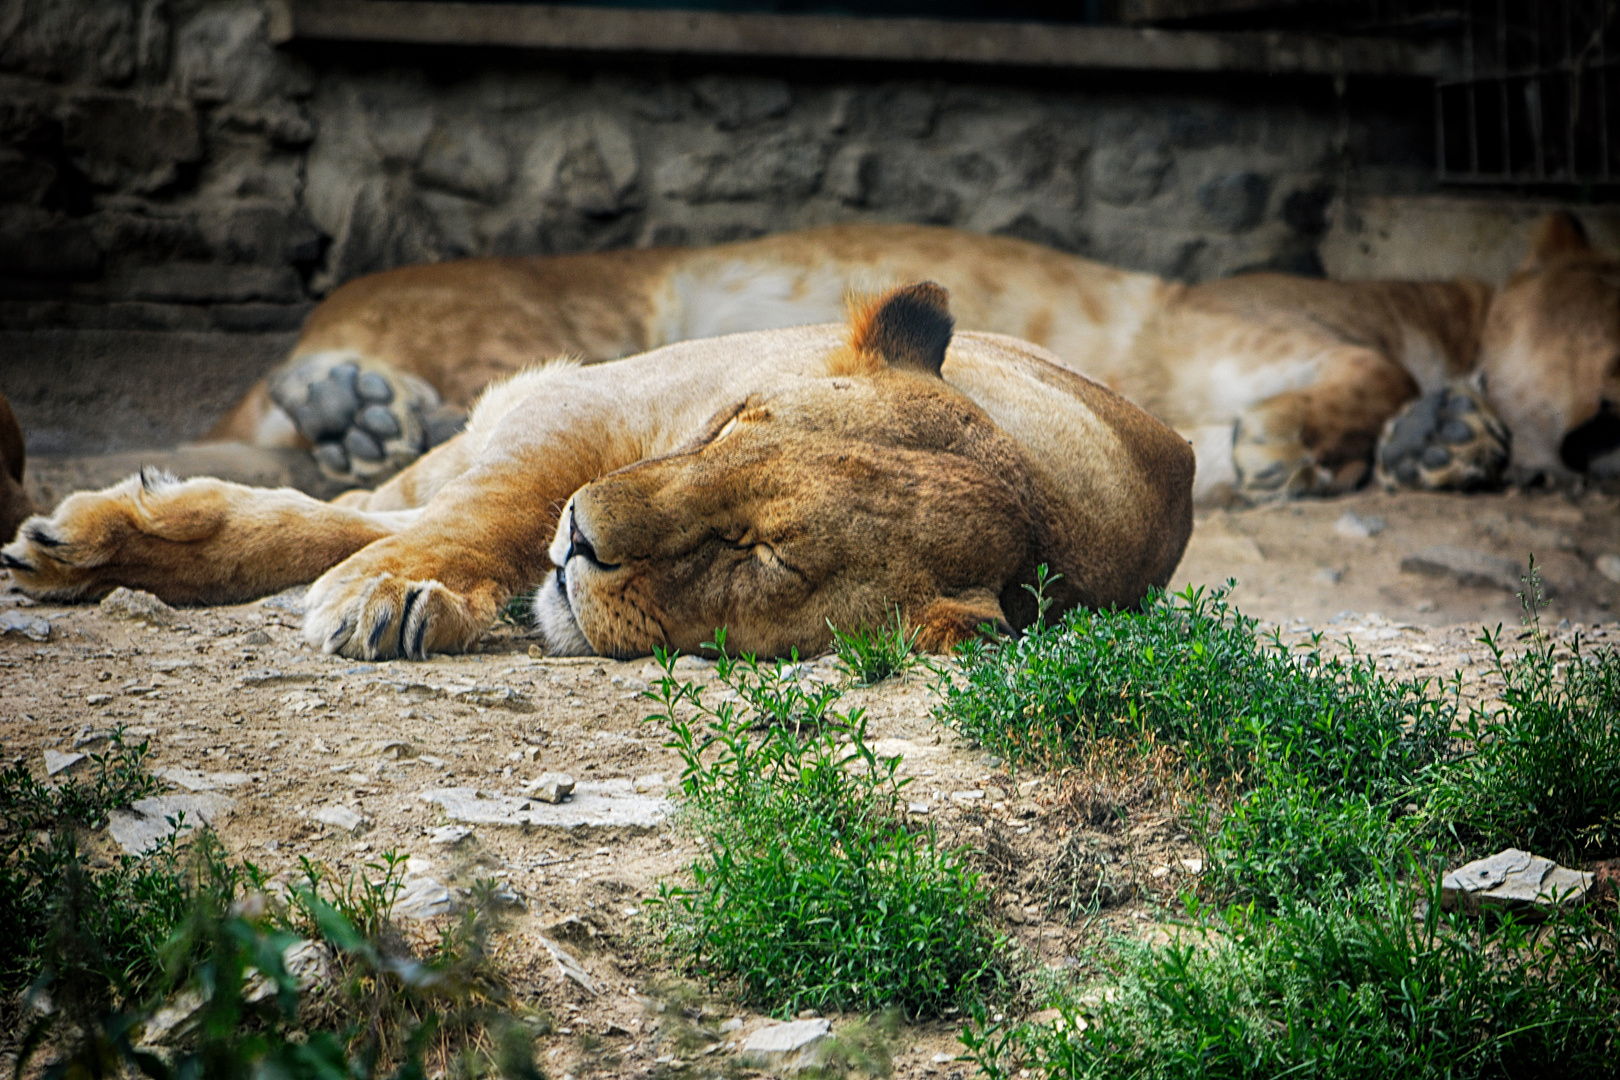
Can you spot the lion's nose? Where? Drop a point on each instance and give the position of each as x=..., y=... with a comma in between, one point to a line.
x=580, y=544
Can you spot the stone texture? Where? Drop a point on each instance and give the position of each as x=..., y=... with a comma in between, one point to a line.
x=423, y=898
x=148, y=821
x=607, y=803
x=1513, y=878
x=787, y=1048
x=21, y=623
x=137, y=606
x=1467, y=566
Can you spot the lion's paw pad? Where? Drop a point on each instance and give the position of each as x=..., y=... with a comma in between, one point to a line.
x=1446, y=440
x=367, y=420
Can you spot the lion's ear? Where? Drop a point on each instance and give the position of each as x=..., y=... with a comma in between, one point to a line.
x=949, y=621
x=1555, y=234
x=909, y=327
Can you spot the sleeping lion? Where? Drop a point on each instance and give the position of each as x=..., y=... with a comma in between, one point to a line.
x=1284, y=385
x=775, y=483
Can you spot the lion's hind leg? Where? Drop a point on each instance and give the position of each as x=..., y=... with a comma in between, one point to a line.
x=1319, y=440
x=1449, y=439
x=200, y=541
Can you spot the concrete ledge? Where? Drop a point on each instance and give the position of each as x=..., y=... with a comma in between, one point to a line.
x=826, y=37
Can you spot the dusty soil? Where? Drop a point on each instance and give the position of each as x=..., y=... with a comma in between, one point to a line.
x=234, y=690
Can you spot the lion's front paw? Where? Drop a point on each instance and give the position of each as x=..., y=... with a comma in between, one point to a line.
x=133, y=533
x=383, y=616
x=1445, y=440
x=367, y=420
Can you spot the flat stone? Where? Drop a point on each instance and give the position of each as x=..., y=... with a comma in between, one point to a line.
x=342, y=817
x=288, y=600
x=1467, y=566
x=552, y=787
x=1513, y=878
x=787, y=1048
x=1355, y=527
x=423, y=898
x=308, y=962
x=137, y=606
x=569, y=967
x=56, y=761
x=449, y=835
x=1609, y=566
x=607, y=803
x=138, y=829
x=193, y=780
x=32, y=627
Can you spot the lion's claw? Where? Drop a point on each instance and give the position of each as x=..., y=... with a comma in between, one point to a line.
x=387, y=617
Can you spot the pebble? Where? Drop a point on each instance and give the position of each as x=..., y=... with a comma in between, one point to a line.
x=137, y=606
x=29, y=626
x=787, y=1048
x=449, y=835
x=256, y=637
x=58, y=762
x=1513, y=878
x=341, y=817
x=1609, y=566
x=138, y=829
x=552, y=787
x=423, y=898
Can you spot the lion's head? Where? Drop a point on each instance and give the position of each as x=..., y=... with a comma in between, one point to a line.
x=1550, y=356
x=827, y=498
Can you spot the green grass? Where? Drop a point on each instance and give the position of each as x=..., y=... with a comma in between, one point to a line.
x=1388, y=991
x=1332, y=798
x=812, y=890
x=870, y=655
x=95, y=948
x=122, y=911
x=1543, y=769
x=1304, y=761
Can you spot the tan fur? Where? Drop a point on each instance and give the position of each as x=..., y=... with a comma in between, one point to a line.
x=15, y=505
x=1303, y=374
x=937, y=491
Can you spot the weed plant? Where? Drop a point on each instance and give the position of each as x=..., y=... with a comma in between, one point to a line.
x=1316, y=755
x=1395, y=990
x=1190, y=672
x=98, y=951
x=870, y=655
x=1331, y=957
x=811, y=891
x=121, y=911
x=1543, y=771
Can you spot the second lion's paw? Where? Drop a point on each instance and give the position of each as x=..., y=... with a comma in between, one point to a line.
x=1446, y=440
x=366, y=419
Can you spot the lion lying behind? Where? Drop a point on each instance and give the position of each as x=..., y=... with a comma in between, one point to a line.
x=1284, y=385
x=770, y=482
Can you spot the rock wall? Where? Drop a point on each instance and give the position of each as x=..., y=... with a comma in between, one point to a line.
x=164, y=168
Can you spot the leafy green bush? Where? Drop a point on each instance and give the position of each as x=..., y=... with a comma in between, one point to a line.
x=1316, y=754
x=1543, y=772
x=1190, y=671
x=871, y=655
x=1393, y=991
x=122, y=913
x=812, y=890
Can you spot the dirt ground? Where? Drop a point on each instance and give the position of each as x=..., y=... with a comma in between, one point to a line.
x=233, y=700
